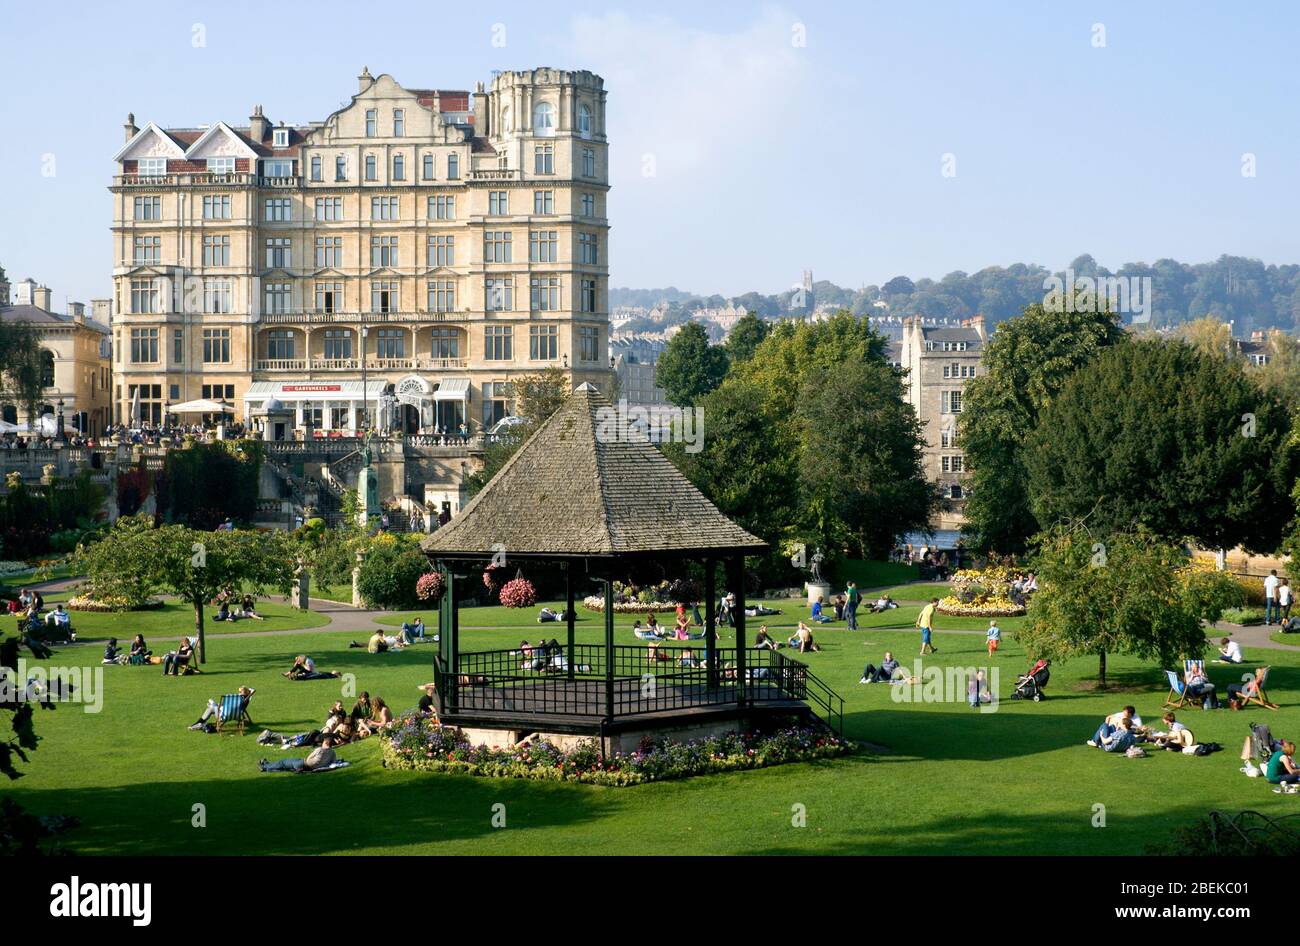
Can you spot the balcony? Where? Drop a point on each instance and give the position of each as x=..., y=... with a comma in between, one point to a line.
x=281, y=364
x=205, y=179
x=356, y=318
x=494, y=174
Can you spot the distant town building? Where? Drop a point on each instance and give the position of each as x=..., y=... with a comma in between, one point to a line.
x=76, y=362
x=939, y=360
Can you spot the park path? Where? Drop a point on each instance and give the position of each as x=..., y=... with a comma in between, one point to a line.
x=344, y=618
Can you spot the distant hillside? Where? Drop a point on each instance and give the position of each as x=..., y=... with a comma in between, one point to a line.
x=1244, y=290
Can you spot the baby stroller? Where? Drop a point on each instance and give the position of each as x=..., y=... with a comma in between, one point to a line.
x=1029, y=686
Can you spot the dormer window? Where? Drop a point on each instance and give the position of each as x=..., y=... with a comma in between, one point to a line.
x=221, y=165
x=280, y=138
x=544, y=120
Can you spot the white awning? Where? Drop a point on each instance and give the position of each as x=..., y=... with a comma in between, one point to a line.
x=453, y=389
x=290, y=391
x=201, y=406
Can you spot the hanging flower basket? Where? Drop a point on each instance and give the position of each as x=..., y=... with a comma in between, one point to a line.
x=492, y=578
x=429, y=587
x=518, y=593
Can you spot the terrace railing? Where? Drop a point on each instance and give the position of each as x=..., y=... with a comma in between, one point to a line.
x=515, y=682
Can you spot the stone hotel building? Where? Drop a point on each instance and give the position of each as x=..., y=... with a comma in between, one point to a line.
x=431, y=245
x=939, y=360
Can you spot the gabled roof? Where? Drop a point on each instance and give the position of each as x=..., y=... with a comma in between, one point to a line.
x=173, y=147
x=241, y=144
x=573, y=490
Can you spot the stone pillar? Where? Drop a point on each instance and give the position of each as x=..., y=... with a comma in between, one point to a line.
x=357, y=602
x=302, y=589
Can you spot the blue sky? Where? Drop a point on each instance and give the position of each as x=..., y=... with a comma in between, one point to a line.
x=769, y=155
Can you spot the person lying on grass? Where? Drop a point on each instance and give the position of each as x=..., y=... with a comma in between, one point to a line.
x=380, y=644
x=214, y=708
x=319, y=758
x=883, y=603
x=336, y=725
x=304, y=668
x=248, y=607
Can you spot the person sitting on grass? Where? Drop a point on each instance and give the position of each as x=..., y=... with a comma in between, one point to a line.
x=643, y=633
x=379, y=644
x=140, y=651
x=882, y=674
x=248, y=608
x=415, y=629
x=1281, y=768
x=802, y=638
x=688, y=658
x=656, y=653
x=1174, y=736
x=381, y=718
x=817, y=614
x=1119, y=739
x=112, y=653
x=224, y=613
x=1230, y=651
x=1126, y=717
x=304, y=668
x=763, y=640
x=214, y=708
x=58, y=617
x=178, y=658
x=977, y=690
x=361, y=710
x=319, y=758
x=426, y=707
x=838, y=602
x=652, y=625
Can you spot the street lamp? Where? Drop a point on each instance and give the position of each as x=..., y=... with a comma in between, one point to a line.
x=167, y=412
x=60, y=436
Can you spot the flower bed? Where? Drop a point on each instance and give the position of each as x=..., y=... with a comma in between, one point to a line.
x=981, y=593
x=597, y=603
x=107, y=605
x=423, y=745
x=13, y=568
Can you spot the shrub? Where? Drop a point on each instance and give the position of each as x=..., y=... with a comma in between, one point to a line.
x=1243, y=615
x=390, y=573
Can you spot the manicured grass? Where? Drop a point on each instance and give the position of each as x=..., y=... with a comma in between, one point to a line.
x=872, y=574
x=174, y=619
x=1015, y=781
x=918, y=591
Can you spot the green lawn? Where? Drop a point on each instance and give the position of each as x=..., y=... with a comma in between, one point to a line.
x=955, y=780
x=174, y=619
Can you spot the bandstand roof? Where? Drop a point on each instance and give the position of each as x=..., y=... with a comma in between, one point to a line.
x=573, y=490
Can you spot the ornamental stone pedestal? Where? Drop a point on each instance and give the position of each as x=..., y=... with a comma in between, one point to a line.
x=817, y=589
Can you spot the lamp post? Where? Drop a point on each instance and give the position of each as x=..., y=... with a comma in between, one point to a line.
x=60, y=436
x=167, y=417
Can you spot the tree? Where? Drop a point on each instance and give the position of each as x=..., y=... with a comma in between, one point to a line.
x=1025, y=363
x=197, y=566
x=690, y=367
x=1158, y=434
x=21, y=357
x=1209, y=335
x=1126, y=592
x=116, y=567
x=860, y=468
x=388, y=576
x=746, y=335
x=1280, y=374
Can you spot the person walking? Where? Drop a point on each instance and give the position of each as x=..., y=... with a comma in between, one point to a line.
x=852, y=599
x=1270, y=596
x=994, y=636
x=925, y=621
x=1284, y=596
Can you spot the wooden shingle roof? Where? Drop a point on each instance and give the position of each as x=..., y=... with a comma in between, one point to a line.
x=572, y=490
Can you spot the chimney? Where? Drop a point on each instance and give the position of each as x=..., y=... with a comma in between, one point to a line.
x=78, y=312
x=101, y=310
x=1257, y=335
x=23, y=291
x=41, y=298
x=129, y=127
x=257, y=125
x=365, y=80
x=479, y=112
x=977, y=323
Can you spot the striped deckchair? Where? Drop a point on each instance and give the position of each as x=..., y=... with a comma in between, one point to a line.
x=233, y=713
